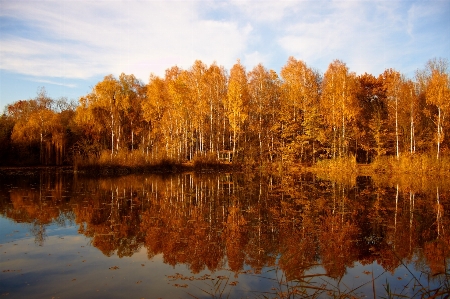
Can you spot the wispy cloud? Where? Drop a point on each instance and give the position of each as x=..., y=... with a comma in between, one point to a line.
x=74, y=40
x=368, y=36
x=53, y=82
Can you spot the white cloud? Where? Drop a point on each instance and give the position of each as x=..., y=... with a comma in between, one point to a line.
x=265, y=10
x=82, y=39
x=365, y=35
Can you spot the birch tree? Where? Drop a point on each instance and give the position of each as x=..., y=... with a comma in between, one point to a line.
x=301, y=90
x=105, y=100
x=154, y=108
x=237, y=100
x=435, y=81
x=216, y=78
x=198, y=90
x=131, y=94
x=412, y=110
x=260, y=88
x=393, y=81
x=338, y=103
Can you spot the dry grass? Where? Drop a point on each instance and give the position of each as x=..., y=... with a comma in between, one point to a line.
x=417, y=164
x=126, y=162
x=342, y=170
x=346, y=165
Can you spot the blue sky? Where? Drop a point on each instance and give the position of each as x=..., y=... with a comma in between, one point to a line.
x=69, y=46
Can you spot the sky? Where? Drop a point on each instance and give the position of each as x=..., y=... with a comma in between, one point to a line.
x=68, y=46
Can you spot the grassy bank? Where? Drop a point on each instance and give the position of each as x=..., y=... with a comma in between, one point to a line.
x=336, y=169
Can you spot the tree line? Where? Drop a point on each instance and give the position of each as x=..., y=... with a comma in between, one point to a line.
x=254, y=117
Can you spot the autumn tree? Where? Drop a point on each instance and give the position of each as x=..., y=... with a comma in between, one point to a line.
x=6, y=127
x=338, y=104
x=198, y=91
x=236, y=102
x=411, y=110
x=104, y=100
x=180, y=140
x=372, y=123
x=114, y=108
x=435, y=81
x=89, y=129
x=33, y=120
x=300, y=94
x=392, y=81
x=154, y=108
x=216, y=78
x=130, y=96
x=36, y=121
x=263, y=91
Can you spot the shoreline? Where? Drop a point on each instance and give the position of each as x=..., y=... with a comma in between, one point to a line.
x=117, y=170
x=421, y=165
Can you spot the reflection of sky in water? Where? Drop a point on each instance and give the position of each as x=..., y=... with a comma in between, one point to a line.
x=9, y=230
x=67, y=266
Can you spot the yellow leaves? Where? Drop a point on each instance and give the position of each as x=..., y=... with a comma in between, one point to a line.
x=131, y=92
x=337, y=96
x=237, y=96
x=438, y=89
x=39, y=122
x=300, y=83
x=434, y=82
x=263, y=88
x=392, y=80
x=104, y=93
x=155, y=104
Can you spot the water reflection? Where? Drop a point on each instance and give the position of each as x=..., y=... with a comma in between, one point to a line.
x=300, y=226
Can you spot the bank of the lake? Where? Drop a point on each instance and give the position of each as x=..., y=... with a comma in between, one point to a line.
x=411, y=164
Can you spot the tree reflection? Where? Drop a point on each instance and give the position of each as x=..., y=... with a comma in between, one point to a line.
x=232, y=221
x=39, y=201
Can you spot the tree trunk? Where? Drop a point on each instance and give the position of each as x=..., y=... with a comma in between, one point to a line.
x=40, y=150
x=396, y=127
x=132, y=138
x=438, y=133
x=112, y=136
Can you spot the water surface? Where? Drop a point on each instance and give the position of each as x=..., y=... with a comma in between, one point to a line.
x=223, y=235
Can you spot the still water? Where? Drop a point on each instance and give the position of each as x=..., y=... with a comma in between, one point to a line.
x=223, y=235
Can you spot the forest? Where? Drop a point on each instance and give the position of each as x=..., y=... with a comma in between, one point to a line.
x=256, y=118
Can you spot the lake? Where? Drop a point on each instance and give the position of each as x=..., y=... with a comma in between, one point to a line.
x=223, y=235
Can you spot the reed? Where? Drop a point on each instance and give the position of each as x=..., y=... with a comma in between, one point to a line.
x=417, y=164
x=344, y=164
x=206, y=161
x=124, y=162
